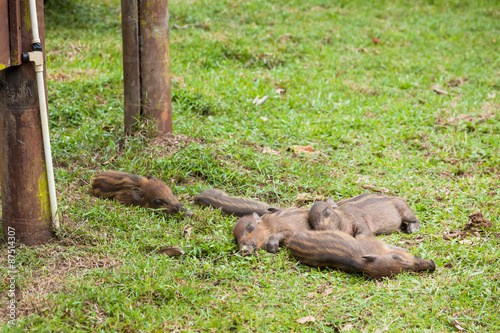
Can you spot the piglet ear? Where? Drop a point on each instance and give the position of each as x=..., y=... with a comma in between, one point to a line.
x=370, y=257
x=331, y=202
x=256, y=217
x=137, y=194
x=327, y=211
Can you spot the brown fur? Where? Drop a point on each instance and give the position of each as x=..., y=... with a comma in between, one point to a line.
x=252, y=232
x=231, y=205
x=336, y=249
x=364, y=215
x=132, y=189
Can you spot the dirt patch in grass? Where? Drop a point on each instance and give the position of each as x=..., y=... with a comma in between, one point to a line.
x=477, y=118
x=368, y=91
x=76, y=190
x=491, y=108
x=35, y=304
x=168, y=144
x=70, y=51
x=79, y=233
x=457, y=82
x=59, y=263
x=155, y=147
x=72, y=75
x=76, y=232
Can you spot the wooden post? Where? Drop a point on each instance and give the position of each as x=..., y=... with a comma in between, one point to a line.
x=146, y=64
x=4, y=35
x=25, y=198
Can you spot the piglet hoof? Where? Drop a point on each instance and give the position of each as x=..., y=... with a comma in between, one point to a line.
x=412, y=227
x=272, y=247
x=187, y=214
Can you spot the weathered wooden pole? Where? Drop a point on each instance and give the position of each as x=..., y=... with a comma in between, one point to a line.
x=25, y=195
x=146, y=64
x=131, y=65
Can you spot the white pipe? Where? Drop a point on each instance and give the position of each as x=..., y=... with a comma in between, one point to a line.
x=34, y=22
x=37, y=57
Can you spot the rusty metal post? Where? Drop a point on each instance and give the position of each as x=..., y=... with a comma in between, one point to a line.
x=146, y=63
x=25, y=198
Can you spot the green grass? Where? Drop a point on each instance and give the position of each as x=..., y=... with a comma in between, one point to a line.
x=368, y=110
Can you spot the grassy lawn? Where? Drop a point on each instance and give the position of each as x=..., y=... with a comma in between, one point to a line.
x=397, y=96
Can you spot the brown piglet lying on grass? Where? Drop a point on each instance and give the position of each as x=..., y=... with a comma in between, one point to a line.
x=336, y=249
x=364, y=215
x=136, y=190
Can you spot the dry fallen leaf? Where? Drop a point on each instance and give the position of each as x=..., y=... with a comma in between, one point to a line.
x=280, y=90
x=180, y=27
x=65, y=314
x=466, y=241
x=361, y=179
x=347, y=327
x=327, y=292
x=308, y=197
x=375, y=189
x=453, y=235
x=456, y=82
x=303, y=197
x=311, y=294
x=376, y=40
x=457, y=325
x=259, y=101
x=171, y=251
x=299, y=149
x=187, y=231
x=418, y=239
x=439, y=91
x=267, y=150
x=307, y=319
